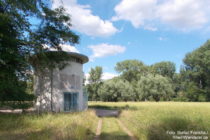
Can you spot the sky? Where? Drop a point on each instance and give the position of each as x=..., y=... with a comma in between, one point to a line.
x=147, y=30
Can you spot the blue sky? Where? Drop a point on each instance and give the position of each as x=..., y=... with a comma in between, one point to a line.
x=148, y=30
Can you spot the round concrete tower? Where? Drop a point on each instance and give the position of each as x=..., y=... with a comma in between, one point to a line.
x=62, y=90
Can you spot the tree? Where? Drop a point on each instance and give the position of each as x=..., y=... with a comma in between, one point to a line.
x=165, y=68
x=116, y=90
x=177, y=84
x=20, y=38
x=12, y=56
x=131, y=69
x=154, y=87
x=196, y=70
x=95, y=82
x=95, y=75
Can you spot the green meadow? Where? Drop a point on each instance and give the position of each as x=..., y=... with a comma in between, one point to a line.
x=146, y=120
x=155, y=120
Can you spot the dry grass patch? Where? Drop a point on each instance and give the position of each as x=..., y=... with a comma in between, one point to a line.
x=71, y=126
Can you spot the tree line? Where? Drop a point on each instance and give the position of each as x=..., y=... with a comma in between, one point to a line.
x=158, y=82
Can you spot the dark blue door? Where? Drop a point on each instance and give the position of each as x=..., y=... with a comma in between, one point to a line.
x=70, y=101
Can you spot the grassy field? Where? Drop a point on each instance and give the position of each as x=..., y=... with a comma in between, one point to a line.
x=75, y=126
x=158, y=121
x=146, y=120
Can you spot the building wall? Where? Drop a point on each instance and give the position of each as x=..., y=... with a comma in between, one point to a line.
x=69, y=79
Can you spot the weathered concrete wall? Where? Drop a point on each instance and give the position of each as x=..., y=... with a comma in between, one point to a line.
x=69, y=79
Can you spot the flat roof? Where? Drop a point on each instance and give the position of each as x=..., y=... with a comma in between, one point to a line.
x=82, y=57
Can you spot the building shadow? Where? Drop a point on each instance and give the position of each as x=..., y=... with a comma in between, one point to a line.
x=107, y=113
x=110, y=111
x=125, y=107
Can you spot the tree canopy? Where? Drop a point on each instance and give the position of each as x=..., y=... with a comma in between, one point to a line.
x=155, y=88
x=95, y=75
x=131, y=69
x=165, y=68
x=95, y=82
x=116, y=90
x=20, y=38
x=196, y=72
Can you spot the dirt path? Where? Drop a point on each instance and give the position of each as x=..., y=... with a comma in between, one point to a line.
x=98, y=130
x=112, y=128
x=126, y=130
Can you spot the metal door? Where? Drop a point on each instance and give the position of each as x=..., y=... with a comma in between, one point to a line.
x=70, y=101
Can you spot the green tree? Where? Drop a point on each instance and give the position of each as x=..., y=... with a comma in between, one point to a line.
x=12, y=56
x=154, y=87
x=196, y=70
x=95, y=75
x=116, y=90
x=20, y=38
x=165, y=68
x=131, y=69
x=95, y=82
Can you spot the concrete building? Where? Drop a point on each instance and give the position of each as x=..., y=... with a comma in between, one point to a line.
x=62, y=89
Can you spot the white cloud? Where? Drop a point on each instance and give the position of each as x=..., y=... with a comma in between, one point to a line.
x=102, y=50
x=161, y=38
x=69, y=48
x=87, y=75
x=150, y=28
x=135, y=11
x=105, y=76
x=184, y=14
x=180, y=14
x=84, y=21
x=64, y=47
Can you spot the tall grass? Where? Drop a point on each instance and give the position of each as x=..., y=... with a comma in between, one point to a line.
x=147, y=120
x=154, y=121
x=71, y=126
